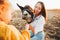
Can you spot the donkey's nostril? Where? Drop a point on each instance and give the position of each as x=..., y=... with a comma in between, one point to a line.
x=23, y=17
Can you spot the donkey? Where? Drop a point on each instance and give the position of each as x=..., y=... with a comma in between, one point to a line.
x=27, y=13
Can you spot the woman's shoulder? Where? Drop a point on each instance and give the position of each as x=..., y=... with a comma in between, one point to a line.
x=3, y=25
x=3, y=29
x=40, y=17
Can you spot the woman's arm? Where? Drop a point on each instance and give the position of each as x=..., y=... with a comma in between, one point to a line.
x=31, y=28
x=28, y=26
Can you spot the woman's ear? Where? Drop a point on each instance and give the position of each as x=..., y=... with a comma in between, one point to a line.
x=20, y=6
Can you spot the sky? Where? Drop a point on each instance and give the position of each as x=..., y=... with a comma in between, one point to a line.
x=49, y=4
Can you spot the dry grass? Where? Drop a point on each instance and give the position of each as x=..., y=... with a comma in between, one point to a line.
x=52, y=26
x=17, y=20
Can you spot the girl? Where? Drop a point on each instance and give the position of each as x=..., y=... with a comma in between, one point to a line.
x=9, y=32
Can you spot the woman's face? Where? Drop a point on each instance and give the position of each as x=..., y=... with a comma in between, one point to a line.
x=6, y=16
x=5, y=11
x=37, y=9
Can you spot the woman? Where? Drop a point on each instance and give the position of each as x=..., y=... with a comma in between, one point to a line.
x=9, y=32
x=36, y=27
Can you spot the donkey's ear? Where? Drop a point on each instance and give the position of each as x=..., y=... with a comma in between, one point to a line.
x=20, y=6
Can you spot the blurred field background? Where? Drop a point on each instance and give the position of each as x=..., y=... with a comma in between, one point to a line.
x=51, y=28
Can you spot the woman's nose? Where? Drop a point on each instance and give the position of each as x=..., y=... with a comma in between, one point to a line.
x=36, y=10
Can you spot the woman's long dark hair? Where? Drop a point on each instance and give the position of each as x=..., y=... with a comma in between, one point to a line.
x=43, y=11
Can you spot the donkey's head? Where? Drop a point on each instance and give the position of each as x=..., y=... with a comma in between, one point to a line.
x=27, y=13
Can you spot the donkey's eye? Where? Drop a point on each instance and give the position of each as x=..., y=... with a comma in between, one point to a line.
x=25, y=12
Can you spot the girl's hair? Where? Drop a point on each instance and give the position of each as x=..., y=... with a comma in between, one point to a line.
x=4, y=6
x=43, y=11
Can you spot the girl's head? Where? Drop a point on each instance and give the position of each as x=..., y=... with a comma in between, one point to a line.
x=5, y=11
x=40, y=9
